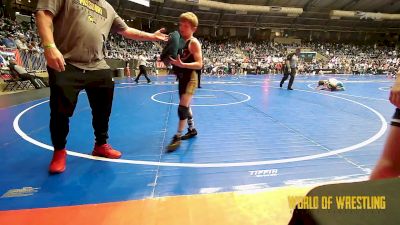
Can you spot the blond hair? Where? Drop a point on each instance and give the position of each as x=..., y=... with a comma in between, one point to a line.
x=189, y=17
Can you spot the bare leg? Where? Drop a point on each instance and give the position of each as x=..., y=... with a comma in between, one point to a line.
x=389, y=164
x=184, y=109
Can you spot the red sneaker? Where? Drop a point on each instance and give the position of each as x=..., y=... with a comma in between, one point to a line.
x=58, y=163
x=106, y=151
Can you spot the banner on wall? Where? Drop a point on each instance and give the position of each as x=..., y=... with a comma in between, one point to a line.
x=142, y=2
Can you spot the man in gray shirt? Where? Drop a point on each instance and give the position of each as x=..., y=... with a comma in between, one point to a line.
x=142, y=62
x=73, y=34
x=291, y=68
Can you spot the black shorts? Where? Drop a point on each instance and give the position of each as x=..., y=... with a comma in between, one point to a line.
x=396, y=118
x=188, y=83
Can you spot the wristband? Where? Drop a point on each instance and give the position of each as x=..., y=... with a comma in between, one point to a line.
x=47, y=46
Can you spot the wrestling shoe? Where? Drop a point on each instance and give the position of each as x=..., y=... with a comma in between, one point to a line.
x=190, y=134
x=106, y=151
x=175, y=143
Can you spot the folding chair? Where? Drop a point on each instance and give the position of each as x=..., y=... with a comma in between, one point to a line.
x=21, y=84
x=39, y=81
x=10, y=82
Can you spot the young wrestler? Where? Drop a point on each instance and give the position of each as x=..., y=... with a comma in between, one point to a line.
x=187, y=63
x=331, y=84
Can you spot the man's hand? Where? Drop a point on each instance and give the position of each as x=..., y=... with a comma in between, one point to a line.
x=55, y=59
x=44, y=23
x=177, y=62
x=160, y=36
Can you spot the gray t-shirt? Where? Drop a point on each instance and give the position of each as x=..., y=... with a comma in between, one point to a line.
x=142, y=60
x=293, y=59
x=81, y=28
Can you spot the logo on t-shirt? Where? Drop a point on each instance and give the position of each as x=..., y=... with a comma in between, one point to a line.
x=92, y=7
x=91, y=19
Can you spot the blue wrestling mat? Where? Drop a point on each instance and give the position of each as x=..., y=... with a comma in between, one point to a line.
x=252, y=135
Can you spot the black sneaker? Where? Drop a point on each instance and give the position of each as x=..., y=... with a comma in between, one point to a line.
x=290, y=89
x=189, y=134
x=280, y=85
x=175, y=143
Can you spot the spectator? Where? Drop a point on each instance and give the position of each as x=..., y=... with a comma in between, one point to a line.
x=3, y=62
x=8, y=42
x=21, y=43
